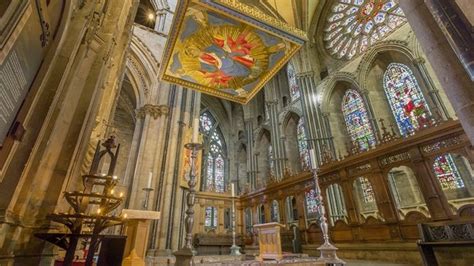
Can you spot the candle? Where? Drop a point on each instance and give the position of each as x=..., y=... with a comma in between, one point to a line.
x=312, y=158
x=195, y=130
x=150, y=177
x=232, y=188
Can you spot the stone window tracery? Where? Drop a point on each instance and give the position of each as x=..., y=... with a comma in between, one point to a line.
x=275, y=211
x=447, y=173
x=311, y=204
x=355, y=25
x=210, y=221
x=337, y=207
x=367, y=190
x=215, y=154
x=405, y=98
x=357, y=120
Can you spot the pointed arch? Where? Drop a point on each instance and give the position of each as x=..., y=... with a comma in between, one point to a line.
x=357, y=120
x=215, y=154
x=405, y=98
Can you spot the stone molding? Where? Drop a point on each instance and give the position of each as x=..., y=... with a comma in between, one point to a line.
x=153, y=110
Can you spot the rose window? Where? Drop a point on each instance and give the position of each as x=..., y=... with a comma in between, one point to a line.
x=355, y=25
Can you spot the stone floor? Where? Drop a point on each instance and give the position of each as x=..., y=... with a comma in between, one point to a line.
x=303, y=261
x=372, y=263
x=243, y=261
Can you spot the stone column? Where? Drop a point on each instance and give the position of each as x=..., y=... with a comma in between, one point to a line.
x=311, y=113
x=371, y=113
x=151, y=118
x=419, y=64
x=450, y=71
x=278, y=151
x=251, y=160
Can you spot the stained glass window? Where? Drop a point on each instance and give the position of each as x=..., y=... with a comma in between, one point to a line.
x=367, y=191
x=261, y=214
x=207, y=121
x=311, y=203
x=292, y=82
x=210, y=221
x=447, y=172
x=357, y=120
x=214, y=144
x=303, y=146
x=248, y=220
x=406, y=100
x=291, y=209
x=337, y=207
x=355, y=25
x=275, y=211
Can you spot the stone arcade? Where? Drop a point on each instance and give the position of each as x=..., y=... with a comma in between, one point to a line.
x=351, y=117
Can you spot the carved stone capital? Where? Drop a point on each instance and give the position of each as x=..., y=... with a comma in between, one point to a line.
x=419, y=61
x=305, y=74
x=153, y=110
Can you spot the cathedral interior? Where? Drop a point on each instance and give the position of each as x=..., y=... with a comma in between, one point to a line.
x=208, y=132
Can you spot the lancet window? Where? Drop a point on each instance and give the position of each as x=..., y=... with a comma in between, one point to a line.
x=357, y=120
x=303, y=145
x=405, y=98
x=311, y=204
x=447, y=173
x=210, y=221
x=215, y=154
x=292, y=82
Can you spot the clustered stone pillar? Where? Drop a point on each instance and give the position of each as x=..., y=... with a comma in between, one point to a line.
x=449, y=70
x=317, y=124
x=251, y=160
x=277, y=145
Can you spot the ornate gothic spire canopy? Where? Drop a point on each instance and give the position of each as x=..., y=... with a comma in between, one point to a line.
x=227, y=48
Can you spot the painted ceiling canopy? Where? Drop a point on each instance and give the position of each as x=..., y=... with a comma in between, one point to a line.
x=226, y=48
x=355, y=25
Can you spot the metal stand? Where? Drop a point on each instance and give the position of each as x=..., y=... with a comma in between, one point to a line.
x=147, y=190
x=328, y=251
x=234, y=250
x=185, y=254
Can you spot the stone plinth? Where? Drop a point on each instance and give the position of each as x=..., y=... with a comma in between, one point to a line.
x=136, y=230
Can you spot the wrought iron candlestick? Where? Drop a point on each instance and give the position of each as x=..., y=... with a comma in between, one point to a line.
x=328, y=251
x=184, y=255
x=234, y=250
x=92, y=207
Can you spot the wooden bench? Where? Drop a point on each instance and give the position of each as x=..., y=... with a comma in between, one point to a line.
x=443, y=234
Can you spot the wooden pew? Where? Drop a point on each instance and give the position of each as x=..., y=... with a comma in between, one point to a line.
x=443, y=234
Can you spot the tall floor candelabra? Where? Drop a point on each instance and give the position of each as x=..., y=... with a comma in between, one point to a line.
x=185, y=254
x=327, y=250
x=234, y=250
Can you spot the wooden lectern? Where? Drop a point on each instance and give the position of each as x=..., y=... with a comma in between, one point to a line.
x=136, y=230
x=269, y=241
